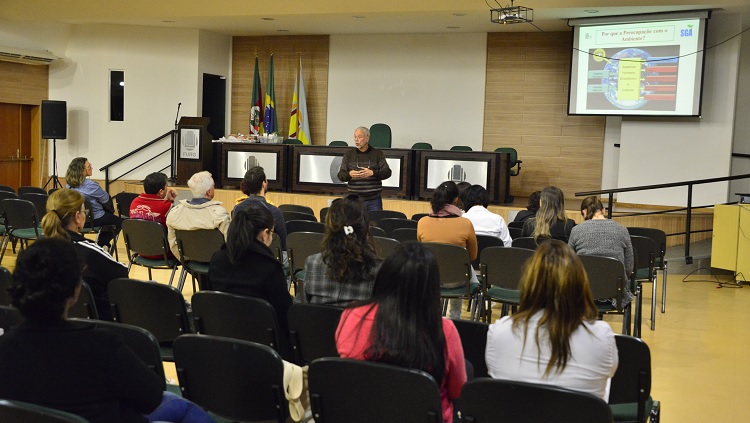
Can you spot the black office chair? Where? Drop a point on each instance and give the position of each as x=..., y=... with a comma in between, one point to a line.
x=630, y=389
x=299, y=246
x=196, y=248
x=342, y=391
x=660, y=262
x=296, y=208
x=484, y=400
x=294, y=215
x=304, y=226
x=389, y=224
x=455, y=276
x=417, y=216
x=421, y=146
x=31, y=190
x=485, y=241
x=501, y=269
x=607, y=280
x=404, y=234
x=515, y=233
x=375, y=231
x=512, y=160
x=323, y=213
x=645, y=252
x=85, y=307
x=21, y=222
x=22, y=412
x=10, y=317
x=376, y=215
x=123, y=201
x=6, y=281
x=143, y=239
x=525, y=242
x=40, y=202
x=474, y=340
x=461, y=148
x=3, y=225
x=312, y=329
x=380, y=135
x=234, y=379
x=338, y=144
x=7, y=188
x=292, y=141
x=385, y=246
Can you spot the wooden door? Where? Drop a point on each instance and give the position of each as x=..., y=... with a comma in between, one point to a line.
x=15, y=144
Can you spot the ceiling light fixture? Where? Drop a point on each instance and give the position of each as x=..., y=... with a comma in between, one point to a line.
x=268, y=19
x=512, y=14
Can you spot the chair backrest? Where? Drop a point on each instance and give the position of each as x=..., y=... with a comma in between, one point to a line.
x=461, y=148
x=515, y=233
x=421, y=146
x=606, y=277
x=344, y=390
x=198, y=244
x=513, y=224
x=301, y=245
x=388, y=224
x=9, y=317
x=417, y=216
x=292, y=141
x=645, y=252
x=404, y=234
x=632, y=380
x=376, y=231
x=7, y=188
x=323, y=213
x=503, y=267
x=512, y=152
x=385, y=246
x=6, y=194
x=312, y=328
x=525, y=242
x=85, y=307
x=142, y=342
x=338, y=144
x=123, y=200
x=376, y=215
x=235, y=379
x=304, y=226
x=484, y=400
x=294, y=215
x=235, y=316
x=296, y=208
x=30, y=190
x=89, y=224
x=51, y=190
x=158, y=308
x=486, y=241
x=276, y=246
x=474, y=340
x=6, y=281
x=20, y=214
x=453, y=262
x=380, y=135
x=39, y=200
x=145, y=237
x=659, y=236
x=22, y=412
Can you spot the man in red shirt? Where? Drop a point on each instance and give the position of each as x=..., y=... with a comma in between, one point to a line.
x=156, y=200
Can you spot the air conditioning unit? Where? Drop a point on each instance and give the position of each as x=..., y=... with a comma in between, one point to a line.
x=27, y=57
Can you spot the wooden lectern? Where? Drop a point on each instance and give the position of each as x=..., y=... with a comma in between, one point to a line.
x=194, y=148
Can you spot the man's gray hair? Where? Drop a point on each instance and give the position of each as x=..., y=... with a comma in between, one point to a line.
x=200, y=183
x=363, y=129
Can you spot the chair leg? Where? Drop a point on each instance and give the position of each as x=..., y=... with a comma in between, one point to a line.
x=171, y=277
x=664, y=288
x=3, y=246
x=653, y=302
x=445, y=306
x=638, y=310
x=626, y=321
x=505, y=310
x=181, y=279
x=149, y=274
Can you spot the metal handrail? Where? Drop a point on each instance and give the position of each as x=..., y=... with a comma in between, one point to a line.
x=610, y=193
x=106, y=167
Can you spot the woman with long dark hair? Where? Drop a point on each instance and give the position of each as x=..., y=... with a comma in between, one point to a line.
x=344, y=271
x=554, y=337
x=402, y=324
x=531, y=208
x=550, y=220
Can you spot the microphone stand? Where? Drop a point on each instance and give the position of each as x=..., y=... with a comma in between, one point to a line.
x=173, y=165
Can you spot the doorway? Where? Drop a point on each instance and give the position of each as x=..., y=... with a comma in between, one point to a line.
x=214, y=103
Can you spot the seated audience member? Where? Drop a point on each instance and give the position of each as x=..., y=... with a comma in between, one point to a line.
x=76, y=367
x=462, y=186
x=445, y=224
x=255, y=185
x=101, y=204
x=345, y=269
x=156, y=200
x=246, y=266
x=476, y=199
x=599, y=236
x=202, y=212
x=531, y=208
x=401, y=324
x=64, y=219
x=556, y=342
x=550, y=220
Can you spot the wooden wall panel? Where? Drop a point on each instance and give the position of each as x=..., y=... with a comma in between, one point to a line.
x=286, y=53
x=526, y=101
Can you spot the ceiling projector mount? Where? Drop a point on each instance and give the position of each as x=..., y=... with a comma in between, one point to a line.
x=512, y=14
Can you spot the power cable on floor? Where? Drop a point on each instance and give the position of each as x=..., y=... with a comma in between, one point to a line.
x=732, y=283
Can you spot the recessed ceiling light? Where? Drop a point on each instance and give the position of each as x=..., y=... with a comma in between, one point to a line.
x=168, y=22
x=282, y=30
x=268, y=19
x=459, y=14
x=358, y=17
x=590, y=11
x=453, y=27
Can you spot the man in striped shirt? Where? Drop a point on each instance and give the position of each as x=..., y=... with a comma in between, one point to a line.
x=364, y=168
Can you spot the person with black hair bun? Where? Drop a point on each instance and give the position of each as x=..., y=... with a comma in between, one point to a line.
x=402, y=324
x=344, y=271
x=71, y=366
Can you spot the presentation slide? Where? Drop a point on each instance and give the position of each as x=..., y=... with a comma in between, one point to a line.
x=644, y=68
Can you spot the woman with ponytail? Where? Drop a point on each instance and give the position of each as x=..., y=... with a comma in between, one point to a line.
x=65, y=219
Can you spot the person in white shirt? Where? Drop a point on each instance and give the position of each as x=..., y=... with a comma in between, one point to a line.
x=475, y=200
x=556, y=342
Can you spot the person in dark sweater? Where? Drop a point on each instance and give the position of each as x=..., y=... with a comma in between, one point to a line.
x=76, y=367
x=531, y=208
x=246, y=266
x=64, y=219
x=255, y=185
x=364, y=168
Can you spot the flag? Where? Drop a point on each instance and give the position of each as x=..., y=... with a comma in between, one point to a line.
x=303, y=133
x=256, y=104
x=270, y=125
x=293, y=121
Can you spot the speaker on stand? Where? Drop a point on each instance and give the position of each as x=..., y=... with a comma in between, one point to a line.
x=54, y=127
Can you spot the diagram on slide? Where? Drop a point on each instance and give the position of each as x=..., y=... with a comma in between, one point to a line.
x=633, y=78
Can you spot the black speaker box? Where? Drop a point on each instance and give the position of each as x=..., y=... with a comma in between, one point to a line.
x=54, y=120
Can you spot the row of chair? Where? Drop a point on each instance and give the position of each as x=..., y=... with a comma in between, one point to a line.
x=26, y=190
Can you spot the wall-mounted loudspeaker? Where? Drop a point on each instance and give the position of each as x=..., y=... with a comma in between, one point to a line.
x=54, y=120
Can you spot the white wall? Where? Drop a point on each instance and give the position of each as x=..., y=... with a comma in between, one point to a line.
x=655, y=151
x=161, y=70
x=741, y=166
x=427, y=87
x=215, y=57
x=52, y=37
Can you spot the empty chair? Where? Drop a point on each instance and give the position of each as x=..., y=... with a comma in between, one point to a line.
x=388, y=224
x=292, y=141
x=196, y=248
x=501, y=269
x=234, y=379
x=338, y=144
x=296, y=208
x=85, y=307
x=123, y=200
x=301, y=245
x=645, y=251
x=21, y=222
x=404, y=234
x=660, y=263
x=145, y=239
x=525, y=242
x=418, y=216
x=486, y=241
x=512, y=160
x=341, y=389
x=312, y=330
x=30, y=190
x=421, y=146
x=486, y=400
x=7, y=188
x=294, y=215
x=514, y=224
x=376, y=215
x=474, y=340
x=51, y=190
x=380, y=135
x=385, y=246
x=630, y=390
x=607, y=280
x=22, y=412
x=3, y=225
x=304, y=226
x=461, y=148
x=158, y=308
x=10, y=317
x=515, y=232
x=6, y=281
x=455, y=274
x=39, y=200
x=323, y=213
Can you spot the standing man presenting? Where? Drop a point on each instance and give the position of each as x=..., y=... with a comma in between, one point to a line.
x=364, y=168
